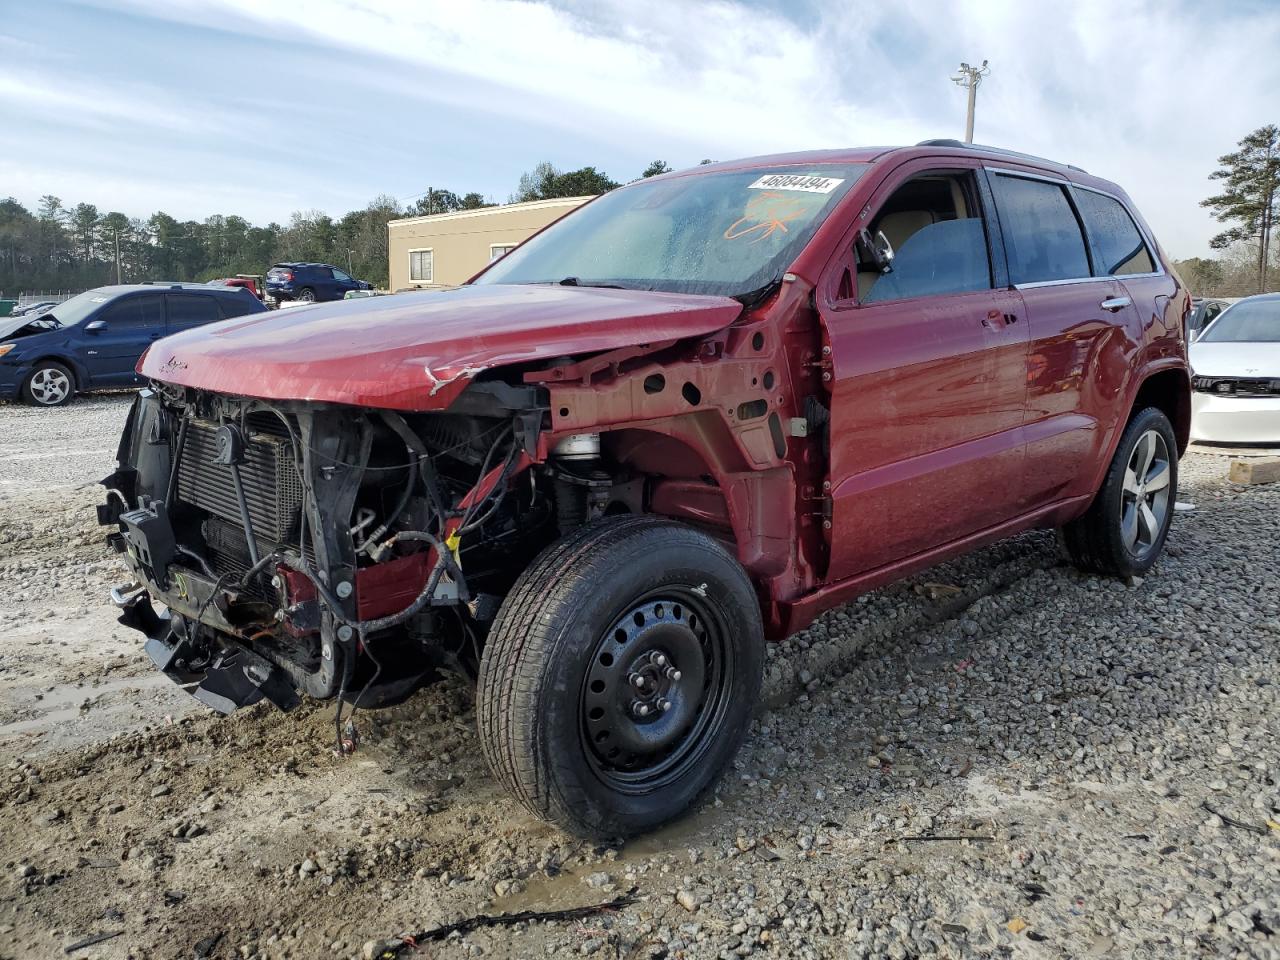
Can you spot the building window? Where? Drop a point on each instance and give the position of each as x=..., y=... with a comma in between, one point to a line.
x=421, y=266
x=497, y=250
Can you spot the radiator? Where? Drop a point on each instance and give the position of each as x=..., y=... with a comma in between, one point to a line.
x=272, y=488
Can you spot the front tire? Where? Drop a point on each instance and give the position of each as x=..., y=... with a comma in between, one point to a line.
x=1125, y=528
x=620, y=674
x=49, y=385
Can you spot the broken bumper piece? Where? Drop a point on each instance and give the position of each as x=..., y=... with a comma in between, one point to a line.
x=221, y=676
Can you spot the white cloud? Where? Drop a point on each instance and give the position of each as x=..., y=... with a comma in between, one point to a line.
x=1148, y=94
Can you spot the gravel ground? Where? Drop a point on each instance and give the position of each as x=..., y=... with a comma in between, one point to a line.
x=1000, y=757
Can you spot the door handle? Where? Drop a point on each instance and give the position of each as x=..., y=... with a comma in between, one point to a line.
x=1116, y=304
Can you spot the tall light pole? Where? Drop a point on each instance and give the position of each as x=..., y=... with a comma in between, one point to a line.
x=970, y=77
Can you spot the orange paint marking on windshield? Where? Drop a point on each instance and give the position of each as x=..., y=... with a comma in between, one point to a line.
x=766, y=214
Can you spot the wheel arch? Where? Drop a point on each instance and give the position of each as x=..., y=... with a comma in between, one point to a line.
x=696, y=474
x=79, y=376
x=1168, y=390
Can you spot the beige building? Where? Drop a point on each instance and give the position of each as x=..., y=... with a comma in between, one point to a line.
x=445, y=249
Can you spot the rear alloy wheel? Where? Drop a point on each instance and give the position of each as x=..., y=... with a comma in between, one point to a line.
x=620, y=674
x=307, y=295
x=1125, y=527
x=50, y=385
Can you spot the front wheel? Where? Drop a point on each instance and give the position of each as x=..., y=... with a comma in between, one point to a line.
x=50, y=385
x=620, y=675
x=1125, y=527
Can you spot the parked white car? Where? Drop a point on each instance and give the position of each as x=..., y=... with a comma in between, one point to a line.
x=1235, y=367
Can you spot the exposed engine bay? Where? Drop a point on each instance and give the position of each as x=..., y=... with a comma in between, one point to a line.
x=226, y=512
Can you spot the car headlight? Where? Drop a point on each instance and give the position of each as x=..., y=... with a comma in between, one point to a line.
x=6, y=347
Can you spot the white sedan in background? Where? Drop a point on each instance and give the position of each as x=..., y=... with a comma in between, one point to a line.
x=1235, y=364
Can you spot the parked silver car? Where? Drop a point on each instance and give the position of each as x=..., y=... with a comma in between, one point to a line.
x=1235, y=366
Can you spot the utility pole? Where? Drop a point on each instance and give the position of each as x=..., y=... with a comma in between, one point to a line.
x=116, y=232
x=970, y=77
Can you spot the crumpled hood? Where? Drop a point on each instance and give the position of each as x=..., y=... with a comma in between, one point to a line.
x=11, y=325
x=1228, y=359
x=417, y=351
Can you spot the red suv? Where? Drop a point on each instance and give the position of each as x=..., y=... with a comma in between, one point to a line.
x=679, y=422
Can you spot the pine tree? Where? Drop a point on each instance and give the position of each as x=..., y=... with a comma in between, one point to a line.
x=1251, y=194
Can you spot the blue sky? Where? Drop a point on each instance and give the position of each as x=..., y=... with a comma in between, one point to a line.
x=261, y=108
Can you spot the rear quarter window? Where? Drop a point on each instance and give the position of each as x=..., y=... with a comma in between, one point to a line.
x=238, y=306
x=1118, y=247
x=1041, y=234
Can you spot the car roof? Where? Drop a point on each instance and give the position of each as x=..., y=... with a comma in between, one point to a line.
x=116, y=290
x=926, y=148
x=301, y=263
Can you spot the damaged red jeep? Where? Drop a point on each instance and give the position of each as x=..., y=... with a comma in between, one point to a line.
x=677, y=423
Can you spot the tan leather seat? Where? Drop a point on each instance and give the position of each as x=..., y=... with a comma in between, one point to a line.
x=898, y=227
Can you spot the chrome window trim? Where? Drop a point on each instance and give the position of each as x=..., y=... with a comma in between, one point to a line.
x=1033, y=284
x=1137, y=222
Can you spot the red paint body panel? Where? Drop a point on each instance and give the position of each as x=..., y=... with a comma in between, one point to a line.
x=926, y=417
x=418, y=351
x=1080, y=363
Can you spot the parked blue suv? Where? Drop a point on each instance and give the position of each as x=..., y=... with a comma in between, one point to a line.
x=310, y=282
x=94, y=340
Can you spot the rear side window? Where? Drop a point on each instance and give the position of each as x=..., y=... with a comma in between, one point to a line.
x=1118, y=247
x=237, y=306
x=136, y=312
x=191, y=310
x=1041, y=234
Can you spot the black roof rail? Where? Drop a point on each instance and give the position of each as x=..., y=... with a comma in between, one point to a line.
x=946, y=142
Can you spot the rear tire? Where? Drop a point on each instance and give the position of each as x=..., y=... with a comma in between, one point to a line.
x=50, y=385
x=307, y=295
x=1124, y=529
x=619, y=676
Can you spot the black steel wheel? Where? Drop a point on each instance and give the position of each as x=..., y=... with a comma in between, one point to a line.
x=657, y=680
x=619, y=676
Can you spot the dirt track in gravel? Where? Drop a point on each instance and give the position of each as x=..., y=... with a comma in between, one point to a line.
x=935, y=707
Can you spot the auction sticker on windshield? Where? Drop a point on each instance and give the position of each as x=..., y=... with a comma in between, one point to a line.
x=793, y=181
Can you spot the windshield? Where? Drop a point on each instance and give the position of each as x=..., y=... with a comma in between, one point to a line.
x=716, y=233
x=70, y=312
x=1249, y=321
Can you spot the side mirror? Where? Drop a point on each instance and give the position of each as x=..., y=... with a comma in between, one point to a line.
x=95, y=326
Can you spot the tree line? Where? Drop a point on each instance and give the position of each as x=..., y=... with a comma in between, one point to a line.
x=1248, y=204
x=61, y=246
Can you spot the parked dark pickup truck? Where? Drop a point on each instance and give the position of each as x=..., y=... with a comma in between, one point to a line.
x=682, y=420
